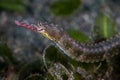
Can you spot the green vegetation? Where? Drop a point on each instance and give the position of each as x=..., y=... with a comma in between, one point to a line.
x=64, y=7
x=12, y=5
x=106, y=27
x=78, y=36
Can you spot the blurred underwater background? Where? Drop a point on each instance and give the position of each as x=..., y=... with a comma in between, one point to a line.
x=27, y=55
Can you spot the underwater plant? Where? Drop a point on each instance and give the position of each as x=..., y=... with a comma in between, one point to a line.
x=64, y=7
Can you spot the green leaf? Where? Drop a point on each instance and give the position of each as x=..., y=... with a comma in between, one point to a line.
x=78, y=77
x=53, y=55
x=64, y=7
x=105, y=25
x=13, y=5
x=78, y=36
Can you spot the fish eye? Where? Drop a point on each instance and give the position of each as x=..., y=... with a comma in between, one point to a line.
x=40, y=27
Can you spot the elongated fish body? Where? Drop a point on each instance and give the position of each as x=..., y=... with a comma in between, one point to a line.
x=88, y=52
x=78, y=51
